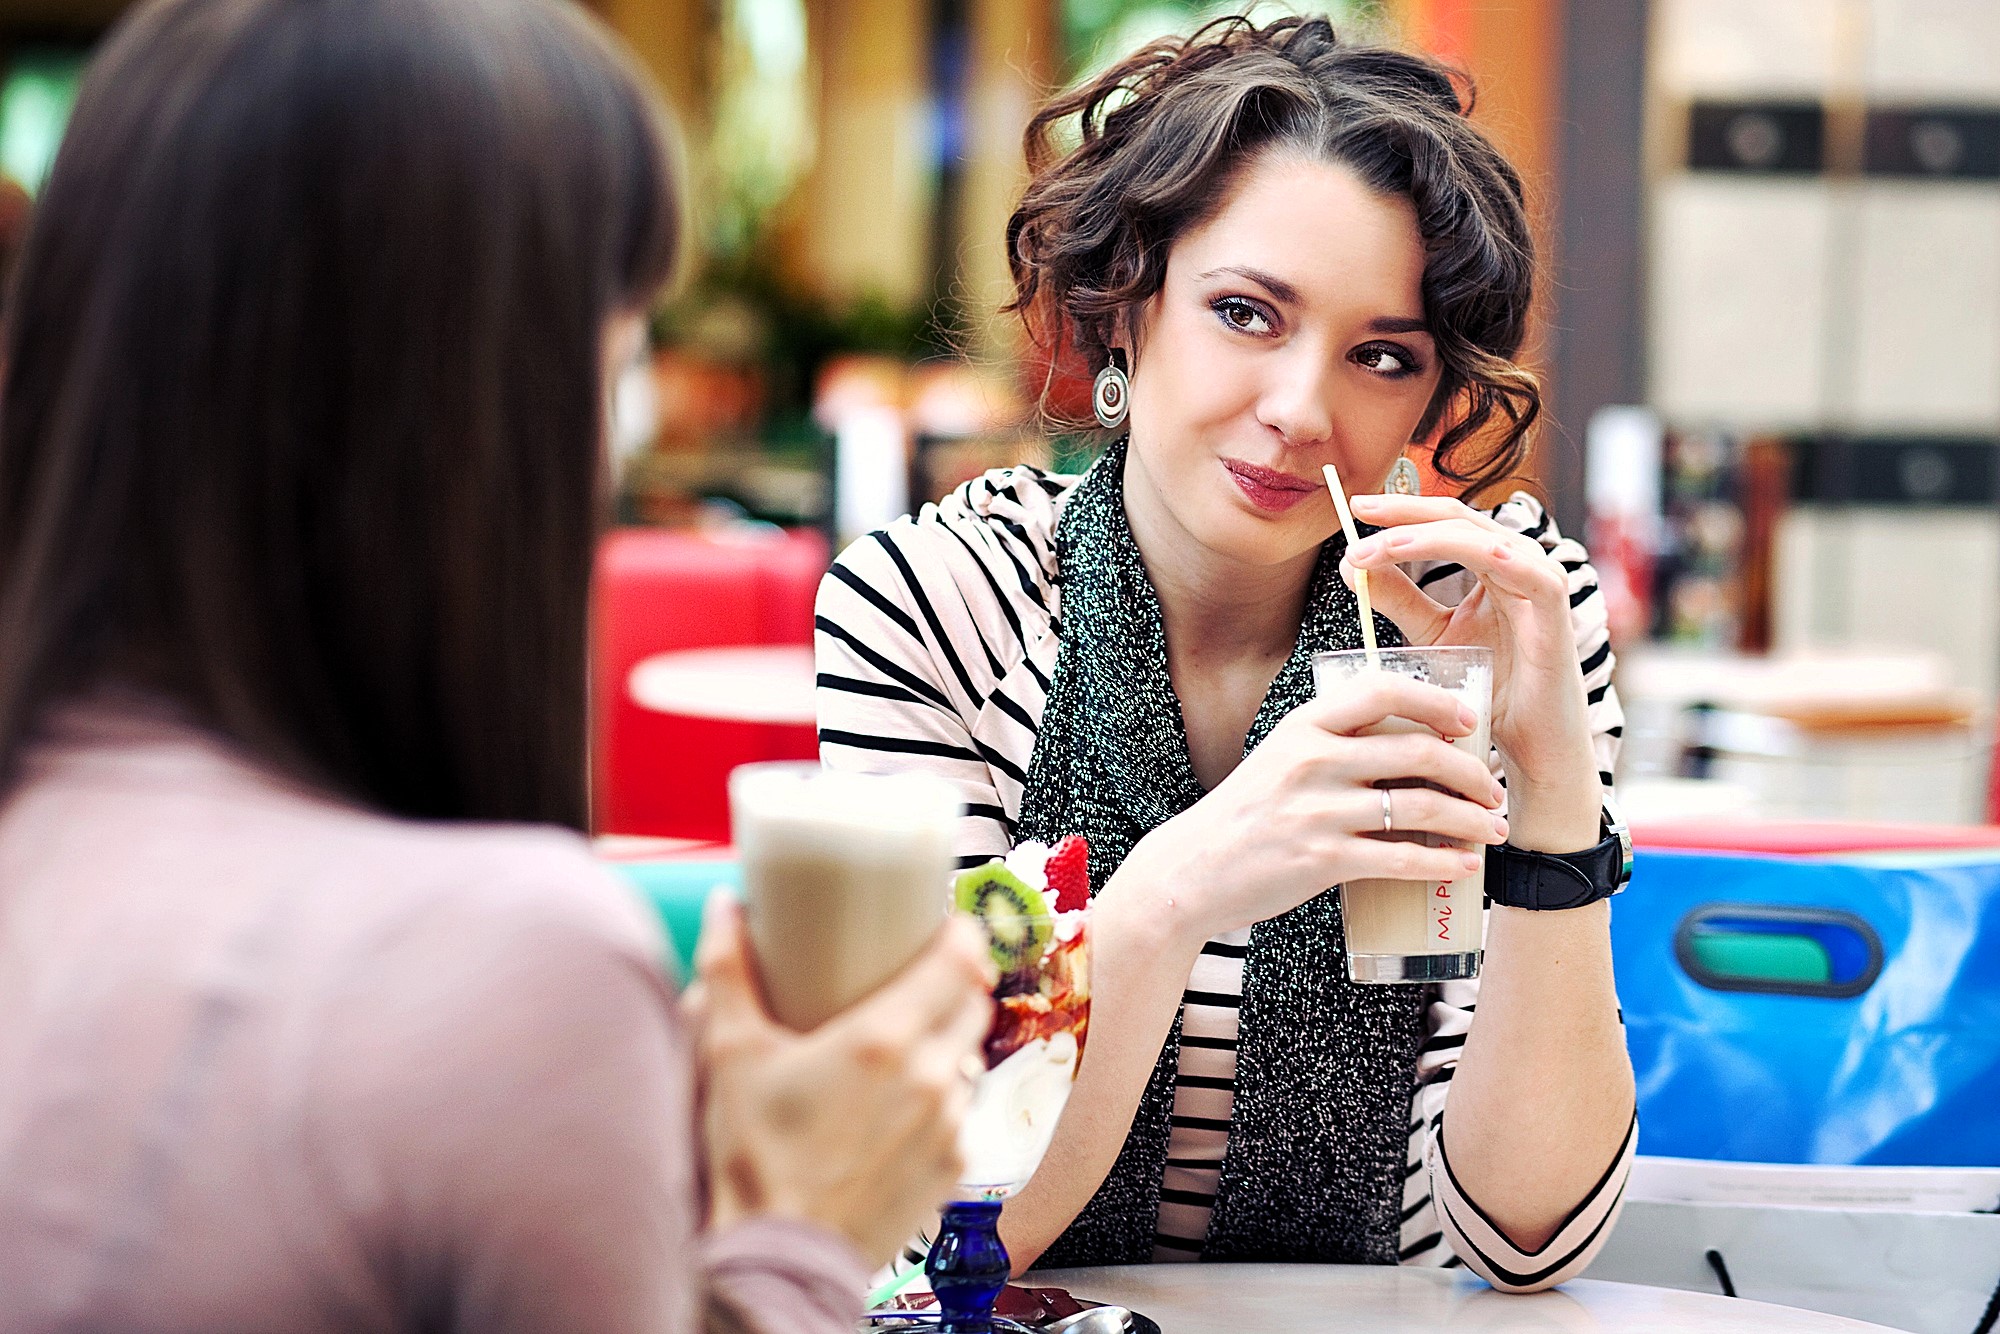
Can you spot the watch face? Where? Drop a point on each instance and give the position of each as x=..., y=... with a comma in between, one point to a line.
x=1624, y=837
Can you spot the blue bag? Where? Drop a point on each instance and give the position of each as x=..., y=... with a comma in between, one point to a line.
x=1808, y=1010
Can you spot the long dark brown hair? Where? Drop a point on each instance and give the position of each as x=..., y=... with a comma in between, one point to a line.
x=303, y=395
x=1130, y=160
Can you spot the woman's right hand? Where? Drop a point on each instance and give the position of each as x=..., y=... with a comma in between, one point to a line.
x=853, y=1126
x=1302, y=812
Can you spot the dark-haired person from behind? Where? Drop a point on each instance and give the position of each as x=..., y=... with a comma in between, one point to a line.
x=1279, y=251
x=315, y=1013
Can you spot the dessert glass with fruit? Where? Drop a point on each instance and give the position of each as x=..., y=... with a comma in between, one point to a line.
x=1034, y=907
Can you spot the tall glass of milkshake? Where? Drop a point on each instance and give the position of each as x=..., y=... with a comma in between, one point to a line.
x=845, y=878
x=1416, y=930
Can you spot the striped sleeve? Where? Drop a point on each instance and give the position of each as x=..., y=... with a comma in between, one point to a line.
x=1589, y=621
x=1442, y=1226
x=1487, y=1251
x=933, y=640
x=1449, y=1019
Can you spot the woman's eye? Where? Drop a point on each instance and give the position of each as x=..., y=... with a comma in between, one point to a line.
x=1242, y=316
x=1387, y=360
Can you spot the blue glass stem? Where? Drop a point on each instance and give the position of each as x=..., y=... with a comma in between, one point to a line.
x=967, y=1267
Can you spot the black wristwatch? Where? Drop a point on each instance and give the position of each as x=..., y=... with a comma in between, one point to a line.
x=1547, y=880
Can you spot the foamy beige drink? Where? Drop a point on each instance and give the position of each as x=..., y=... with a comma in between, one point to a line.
x=1417, y=930
x=845, y=878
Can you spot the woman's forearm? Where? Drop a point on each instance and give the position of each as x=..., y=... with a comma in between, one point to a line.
x=1543, y=1096
x=1142, y=950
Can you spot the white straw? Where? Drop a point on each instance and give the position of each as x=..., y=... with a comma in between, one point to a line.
x=1368, y=644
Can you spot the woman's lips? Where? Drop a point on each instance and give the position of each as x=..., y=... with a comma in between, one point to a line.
x=1267, y=488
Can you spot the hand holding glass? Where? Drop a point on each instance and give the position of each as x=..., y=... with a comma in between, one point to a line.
x=844, y=879
x=1416, y=930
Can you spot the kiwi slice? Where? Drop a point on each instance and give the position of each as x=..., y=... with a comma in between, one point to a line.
x=1005, y=904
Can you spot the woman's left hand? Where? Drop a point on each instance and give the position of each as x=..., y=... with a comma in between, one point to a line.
x=1519, y=608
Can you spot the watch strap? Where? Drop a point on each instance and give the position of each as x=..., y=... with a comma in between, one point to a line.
x=1545, y=881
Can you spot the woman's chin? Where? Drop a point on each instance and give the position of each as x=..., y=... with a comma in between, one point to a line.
x=1242, y=536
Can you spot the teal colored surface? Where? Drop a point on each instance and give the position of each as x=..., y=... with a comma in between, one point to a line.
x=677, y=891
x=1763, y=958
x=35, y=100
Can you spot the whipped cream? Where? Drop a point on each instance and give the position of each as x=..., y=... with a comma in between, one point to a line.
x=1015, y=1107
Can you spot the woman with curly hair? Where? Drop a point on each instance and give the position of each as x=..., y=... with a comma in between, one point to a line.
x=1284, y=252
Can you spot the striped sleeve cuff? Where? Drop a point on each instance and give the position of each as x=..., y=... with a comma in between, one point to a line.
x=1486, y=1250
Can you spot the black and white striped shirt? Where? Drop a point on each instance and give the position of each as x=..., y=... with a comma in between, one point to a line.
x=936, y=641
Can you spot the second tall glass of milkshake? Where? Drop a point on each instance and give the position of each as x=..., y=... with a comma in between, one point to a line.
x=1416, y=930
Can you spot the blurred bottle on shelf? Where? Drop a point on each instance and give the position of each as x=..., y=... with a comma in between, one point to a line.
x=1623, y=460
x=1723, y=497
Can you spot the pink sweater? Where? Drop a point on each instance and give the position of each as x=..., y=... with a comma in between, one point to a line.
x=269, y=1062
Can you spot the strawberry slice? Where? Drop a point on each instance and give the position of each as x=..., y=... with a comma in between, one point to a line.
x=1068, y=873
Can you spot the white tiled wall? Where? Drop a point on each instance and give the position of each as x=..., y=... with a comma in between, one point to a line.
x=1745, y=48
x=1867, y=305
x=1926, y=332
x=1806, y=303
x=1892, y=578
x=1922, y=50
x=1739, y=283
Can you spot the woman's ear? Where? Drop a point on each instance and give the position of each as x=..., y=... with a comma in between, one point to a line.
x=1129, y=336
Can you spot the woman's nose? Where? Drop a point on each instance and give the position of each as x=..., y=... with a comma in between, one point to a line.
x=1296, y=402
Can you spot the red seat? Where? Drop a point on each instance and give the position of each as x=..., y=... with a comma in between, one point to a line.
x=658, y=591
x=1809, y=838
x=1993, y=790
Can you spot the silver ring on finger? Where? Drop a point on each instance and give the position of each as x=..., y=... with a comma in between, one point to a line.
x=1388, y=812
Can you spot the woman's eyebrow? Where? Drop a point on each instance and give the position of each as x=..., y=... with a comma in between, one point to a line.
x=1284, y=291
x=1270, y=282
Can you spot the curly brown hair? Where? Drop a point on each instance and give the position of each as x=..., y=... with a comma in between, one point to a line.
x=1166, y=131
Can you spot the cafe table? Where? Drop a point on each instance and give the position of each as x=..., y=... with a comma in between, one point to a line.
x=747, y=683
x=1331, y=1299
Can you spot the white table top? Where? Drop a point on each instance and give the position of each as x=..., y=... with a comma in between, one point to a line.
x=752, y=683
x=1329, y=1299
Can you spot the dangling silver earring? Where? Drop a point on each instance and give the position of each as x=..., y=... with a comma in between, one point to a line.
x=1404, y=480
x=1111, y=396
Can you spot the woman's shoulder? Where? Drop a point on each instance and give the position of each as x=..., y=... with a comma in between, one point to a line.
x=384, y=1028
x=337, y=886
x=1024, y=501
x=985, y=553
x=482, y=888
x=355, y=877
x=503, y=974
x=1008, y=513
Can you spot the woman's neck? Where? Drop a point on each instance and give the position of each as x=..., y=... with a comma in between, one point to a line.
x=1215, y=608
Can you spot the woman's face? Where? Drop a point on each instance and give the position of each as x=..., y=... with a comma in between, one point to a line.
x=1289, y=334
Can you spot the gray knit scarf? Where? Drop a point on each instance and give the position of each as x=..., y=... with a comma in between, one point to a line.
x=1325, y=1069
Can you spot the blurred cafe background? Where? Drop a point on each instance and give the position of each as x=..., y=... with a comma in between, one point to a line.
x=1771, y=338
x=1772, y=342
